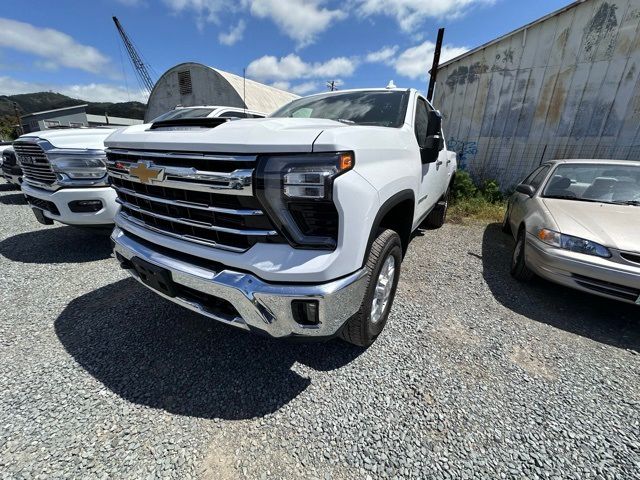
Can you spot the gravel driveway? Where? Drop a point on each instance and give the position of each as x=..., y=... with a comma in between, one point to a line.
x=475, y=376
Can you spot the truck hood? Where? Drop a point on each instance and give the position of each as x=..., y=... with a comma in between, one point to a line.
x=614, y=226
x=260, y=135
x=90, y=138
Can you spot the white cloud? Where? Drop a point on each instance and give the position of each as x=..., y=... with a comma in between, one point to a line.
x=301, y=20
x=384, y=55
x=93, y=92
x=306, y=88
x=292, y=67
x=415, y=62
x=411, y=13
x=205, y=10
x=56, y=48
x=234, y=35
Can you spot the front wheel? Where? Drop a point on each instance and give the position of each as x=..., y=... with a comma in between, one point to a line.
x=519, y=269
x=383, y=266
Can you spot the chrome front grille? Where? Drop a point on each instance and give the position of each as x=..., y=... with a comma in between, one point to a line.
x=205, y=199
x=34, y=163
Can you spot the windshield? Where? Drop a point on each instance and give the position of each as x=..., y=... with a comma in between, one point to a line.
x=185, y=113
x=381, y=108
x=594, y=182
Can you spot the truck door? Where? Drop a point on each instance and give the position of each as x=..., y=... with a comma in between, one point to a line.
x=434, y=175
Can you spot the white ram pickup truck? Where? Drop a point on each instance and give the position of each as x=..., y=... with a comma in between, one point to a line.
x=64, y=176
x=294, y=225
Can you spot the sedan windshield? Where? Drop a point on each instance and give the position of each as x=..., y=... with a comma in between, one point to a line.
x=376, y=107
x=184, y=113
x=607, y=183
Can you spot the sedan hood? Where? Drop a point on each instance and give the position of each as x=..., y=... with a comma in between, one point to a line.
x=615, y=226
x=90, y=138
x=262, y=135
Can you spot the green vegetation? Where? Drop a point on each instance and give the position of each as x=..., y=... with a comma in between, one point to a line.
x=469, y=202
x=41, y=101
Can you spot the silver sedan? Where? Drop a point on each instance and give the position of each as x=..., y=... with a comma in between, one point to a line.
x=577, y=223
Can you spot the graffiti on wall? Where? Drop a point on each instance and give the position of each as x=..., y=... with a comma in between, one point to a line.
x=464, y=150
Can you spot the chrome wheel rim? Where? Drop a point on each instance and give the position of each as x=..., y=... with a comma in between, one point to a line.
x=382, y=292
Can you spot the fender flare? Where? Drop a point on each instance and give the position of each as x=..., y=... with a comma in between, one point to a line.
x=385, y=208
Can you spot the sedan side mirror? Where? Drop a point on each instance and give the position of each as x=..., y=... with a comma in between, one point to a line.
x=431, y=149
x=526, y=189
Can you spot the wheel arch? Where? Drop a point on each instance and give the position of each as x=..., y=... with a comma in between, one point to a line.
x=396, y=213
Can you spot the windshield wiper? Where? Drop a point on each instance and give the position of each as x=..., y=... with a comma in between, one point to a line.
x=577, y=199
x=344, y=120
x=635, y=203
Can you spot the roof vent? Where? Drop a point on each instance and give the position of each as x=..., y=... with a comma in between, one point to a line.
x=184, y=82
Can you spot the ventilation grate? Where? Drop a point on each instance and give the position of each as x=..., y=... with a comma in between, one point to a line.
x=184, y=82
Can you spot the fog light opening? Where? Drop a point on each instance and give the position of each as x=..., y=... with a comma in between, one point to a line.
x=85, y=206
x=306, y=312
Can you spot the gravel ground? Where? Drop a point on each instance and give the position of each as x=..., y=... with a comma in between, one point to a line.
x=475, y=376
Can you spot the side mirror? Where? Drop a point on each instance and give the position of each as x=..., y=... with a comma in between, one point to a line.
x=431, y=149
x=526, y=189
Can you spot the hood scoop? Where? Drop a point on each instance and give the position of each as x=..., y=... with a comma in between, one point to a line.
x=188, y=123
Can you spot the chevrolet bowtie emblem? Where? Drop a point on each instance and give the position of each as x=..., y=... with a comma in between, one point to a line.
x=145, y=172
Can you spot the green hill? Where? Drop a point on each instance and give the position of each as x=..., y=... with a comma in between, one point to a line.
x=40, y=101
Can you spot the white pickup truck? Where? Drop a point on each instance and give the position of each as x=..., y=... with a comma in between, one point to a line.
x=294, y=225
x=65, y=177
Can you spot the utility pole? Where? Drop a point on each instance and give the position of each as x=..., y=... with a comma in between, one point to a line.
x=436, y=62
x=332, y=86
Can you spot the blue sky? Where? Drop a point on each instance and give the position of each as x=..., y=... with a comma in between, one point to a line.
x=71, y=46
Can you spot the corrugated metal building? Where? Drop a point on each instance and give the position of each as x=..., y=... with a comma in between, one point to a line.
x=564, y=86
x=190, y=84
x=71, y=117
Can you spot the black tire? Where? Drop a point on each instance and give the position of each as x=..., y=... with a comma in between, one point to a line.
x=361, y=329
x=438, y=215
x=519, y=269
x=506, y=226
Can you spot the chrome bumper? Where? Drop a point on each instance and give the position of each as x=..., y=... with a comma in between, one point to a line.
x=261, y=306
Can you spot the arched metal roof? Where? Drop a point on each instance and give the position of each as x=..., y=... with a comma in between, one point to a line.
x=189, y=84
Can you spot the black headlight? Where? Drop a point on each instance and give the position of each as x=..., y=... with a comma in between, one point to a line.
x=296, y=192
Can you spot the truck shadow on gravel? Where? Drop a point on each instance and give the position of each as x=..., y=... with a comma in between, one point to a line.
x=605, y=321
x=13, y=199
x=151, y=352
x=58, y=245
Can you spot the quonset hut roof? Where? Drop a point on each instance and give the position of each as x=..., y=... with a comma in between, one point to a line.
x=189, y=84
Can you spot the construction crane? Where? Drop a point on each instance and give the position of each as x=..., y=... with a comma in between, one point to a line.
x=144, y=79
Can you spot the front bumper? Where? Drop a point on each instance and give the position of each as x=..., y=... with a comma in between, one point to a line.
x=12, y=174
x=599, y=276
x=61, y=199
x=258, y=305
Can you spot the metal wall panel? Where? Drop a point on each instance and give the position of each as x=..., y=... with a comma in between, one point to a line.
x=565, y=86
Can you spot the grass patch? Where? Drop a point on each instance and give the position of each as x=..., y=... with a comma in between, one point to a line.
x=469, y=202
x=476, y=209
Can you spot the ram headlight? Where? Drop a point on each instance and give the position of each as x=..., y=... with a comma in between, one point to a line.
x=573, y=244
x=80, y=165
x=296, y=191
